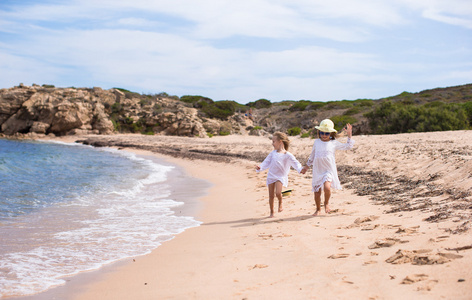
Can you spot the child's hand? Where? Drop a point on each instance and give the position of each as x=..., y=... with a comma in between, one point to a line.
x=348, y=129
x=303, y=171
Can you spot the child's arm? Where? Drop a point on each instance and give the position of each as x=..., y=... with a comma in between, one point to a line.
x=294, y=163
x=309, y=161
x=265, y=164
x=350, y=142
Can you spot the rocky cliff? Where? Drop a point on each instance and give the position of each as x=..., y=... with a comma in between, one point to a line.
x=42, y=110
x=45, y=110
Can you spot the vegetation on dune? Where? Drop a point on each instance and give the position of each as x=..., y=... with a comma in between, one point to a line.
x=341, y=121
x=430, y=110
x=261, y=103
x=294, y=131
x=400, y=117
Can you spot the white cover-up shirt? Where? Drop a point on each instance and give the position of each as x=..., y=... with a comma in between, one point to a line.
x=279, y=166
x=324, y=164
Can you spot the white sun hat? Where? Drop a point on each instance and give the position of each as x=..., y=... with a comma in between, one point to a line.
x=326, y=126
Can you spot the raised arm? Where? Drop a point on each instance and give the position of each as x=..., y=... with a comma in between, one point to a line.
x=350, y=142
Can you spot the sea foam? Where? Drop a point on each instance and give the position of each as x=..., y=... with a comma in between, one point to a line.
x=119, y=207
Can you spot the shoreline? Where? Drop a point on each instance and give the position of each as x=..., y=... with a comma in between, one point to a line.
x=360, y=251
x=190, y=207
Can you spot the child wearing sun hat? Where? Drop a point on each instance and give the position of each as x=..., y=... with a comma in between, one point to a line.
x=325, y=174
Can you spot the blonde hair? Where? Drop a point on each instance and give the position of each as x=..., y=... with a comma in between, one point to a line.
x=283, y=138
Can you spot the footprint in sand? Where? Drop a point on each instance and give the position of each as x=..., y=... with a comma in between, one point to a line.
x=421, y=257
x=336, y=256
x=361, y=220
x=258, y=266
x=407, y=231
x=414, y=278
x=369, y=227
x=388, y=242
x=427, y=286
x=271, y=236
x=440, y=238
x=365, y=219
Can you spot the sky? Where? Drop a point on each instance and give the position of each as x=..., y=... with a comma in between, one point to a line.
x=241, y=50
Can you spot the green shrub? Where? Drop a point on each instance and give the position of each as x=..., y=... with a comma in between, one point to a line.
x=221, y=109
x=339, y=104
x=285, y=103
x=195, y=99
x=315, y=105
x=306, y=105
x=305, y=135
x=261, y=103
x=434, y=104
x=389, y=118
x=116, y=125
x=300, y=105
x=468, y=109
x=352, y=111
x=144, y=102
x=341, y=121
x=116, y=108
x=162, y=95
x=294, y=131
x=363, y=102
x=122, y=90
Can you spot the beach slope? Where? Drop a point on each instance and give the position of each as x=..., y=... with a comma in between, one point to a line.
x=400, y=228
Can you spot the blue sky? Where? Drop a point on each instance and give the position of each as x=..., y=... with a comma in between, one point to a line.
x=241, y=50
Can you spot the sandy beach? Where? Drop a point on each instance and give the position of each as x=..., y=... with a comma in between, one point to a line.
x=400, y=228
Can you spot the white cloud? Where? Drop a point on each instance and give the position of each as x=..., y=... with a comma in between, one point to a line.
x=136, y=22
x=453, y=12
x=185, y=46
x=441, y=17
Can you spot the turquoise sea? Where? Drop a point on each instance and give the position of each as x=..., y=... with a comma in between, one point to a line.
x=70, y=208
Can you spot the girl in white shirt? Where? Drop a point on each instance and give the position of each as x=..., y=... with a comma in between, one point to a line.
x=325, y=174
x=278, y=162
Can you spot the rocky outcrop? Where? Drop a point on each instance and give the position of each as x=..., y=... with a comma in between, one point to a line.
x=40, y=110
x=58, y=111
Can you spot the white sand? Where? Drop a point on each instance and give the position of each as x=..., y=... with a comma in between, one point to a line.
x=239, y=253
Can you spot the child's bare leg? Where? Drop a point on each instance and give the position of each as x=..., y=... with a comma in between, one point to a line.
x=278, y=194
x=327, y=195
x=271, y=188
x=317, y=202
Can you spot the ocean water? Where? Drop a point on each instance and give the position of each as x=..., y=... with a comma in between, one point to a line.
x=70, y=208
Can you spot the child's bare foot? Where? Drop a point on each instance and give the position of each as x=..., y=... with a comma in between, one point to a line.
x=327, y=210
x=280, y=207
x=317, y=212
x=271, y=215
